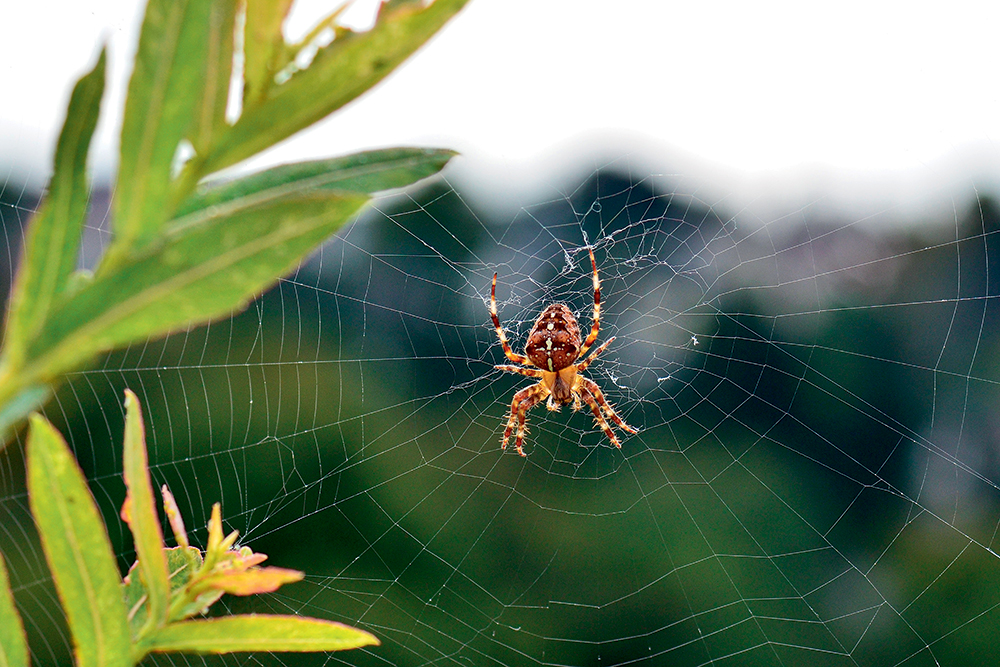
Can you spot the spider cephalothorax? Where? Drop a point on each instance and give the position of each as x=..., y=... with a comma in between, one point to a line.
x=553, y=347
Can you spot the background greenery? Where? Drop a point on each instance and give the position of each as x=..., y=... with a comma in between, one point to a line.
x=814, y=488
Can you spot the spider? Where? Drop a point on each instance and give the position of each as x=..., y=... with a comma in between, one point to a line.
x=553, y=346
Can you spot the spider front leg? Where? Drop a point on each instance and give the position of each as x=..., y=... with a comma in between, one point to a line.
x=582, y=366
x=530, y=372
x=596, y=326
x=523, y=401
x=516, y=358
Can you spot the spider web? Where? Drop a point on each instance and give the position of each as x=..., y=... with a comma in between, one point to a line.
x=815, y=480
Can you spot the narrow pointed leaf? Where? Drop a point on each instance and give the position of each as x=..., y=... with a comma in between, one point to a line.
x=77, y=549
x=207, y=267
x=367, y=172
x=144, y=521
x=210, y=116
x=214, y=549
x=13, y=646
x=342, y=71
x=245, y=558
x=162, y=104
x=53, y=239
x=174, y=516
x=264, y=45
x=258, y=633
x=253, y=582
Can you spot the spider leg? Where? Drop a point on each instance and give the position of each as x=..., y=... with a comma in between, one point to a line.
x=516, y=358
x=582, y=366
x=523, y=401
x=591, y=387
x=597, y=309
x=530, y=372
x=601, y=421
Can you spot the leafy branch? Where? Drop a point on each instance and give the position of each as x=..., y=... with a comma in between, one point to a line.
x=188, y=248
x=154, y=609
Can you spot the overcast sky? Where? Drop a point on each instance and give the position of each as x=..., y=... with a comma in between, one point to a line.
x=522, y=87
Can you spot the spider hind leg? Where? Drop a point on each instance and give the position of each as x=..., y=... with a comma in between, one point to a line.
x=591, y=389
x=601, y=421
x=523, y=401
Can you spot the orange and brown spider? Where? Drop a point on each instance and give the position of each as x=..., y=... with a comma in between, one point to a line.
x=553, y=346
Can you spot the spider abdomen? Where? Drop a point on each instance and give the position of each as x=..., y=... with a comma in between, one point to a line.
x=554, y=342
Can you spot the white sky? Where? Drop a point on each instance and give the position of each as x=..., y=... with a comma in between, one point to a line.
x=523, y=87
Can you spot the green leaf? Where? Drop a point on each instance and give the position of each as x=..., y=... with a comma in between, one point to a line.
x=264, y=46
x=370, y=171
x=257, y=633
x=13, y=646
x=207, y=266
x=17, y=408
x=342, y=71
x=182, y=562
x=162, y=103
x=134, y=594
x=185, y=563
x=142, y=516
x=210, y=118
x=77, y=549
x=53, y=240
